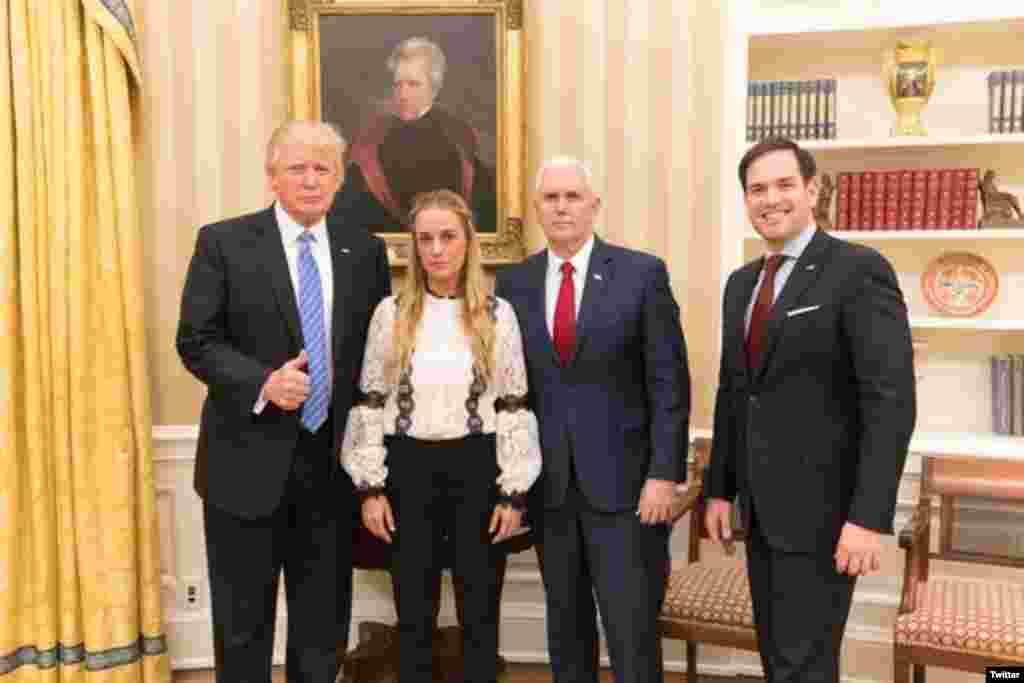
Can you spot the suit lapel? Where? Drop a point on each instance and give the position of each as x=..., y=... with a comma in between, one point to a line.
x=805, y=272
x=280, y=278
x=736, y=312
x=342, y=267
x=538, y=280
x=595, y=289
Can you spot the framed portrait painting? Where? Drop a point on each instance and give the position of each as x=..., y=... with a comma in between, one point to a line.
x=429, y=95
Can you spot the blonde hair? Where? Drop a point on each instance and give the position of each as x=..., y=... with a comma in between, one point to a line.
x=477, y=316
x=303, y=132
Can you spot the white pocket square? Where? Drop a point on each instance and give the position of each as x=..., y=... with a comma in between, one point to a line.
x=805, y=309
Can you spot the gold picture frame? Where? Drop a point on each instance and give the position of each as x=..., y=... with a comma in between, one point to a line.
x=351, y=34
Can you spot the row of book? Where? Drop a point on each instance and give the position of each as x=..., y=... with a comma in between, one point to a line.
x=1006, y=102
x=800, y=110
x=907, y=199
x=1008, y=394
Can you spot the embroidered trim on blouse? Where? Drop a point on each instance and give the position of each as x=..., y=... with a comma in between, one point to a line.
x=510, y=403
x=516, y=501
x=474, y=423
x=404, y=402
x=373, y=399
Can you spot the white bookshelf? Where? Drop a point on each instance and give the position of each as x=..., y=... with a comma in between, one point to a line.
x=769, y=40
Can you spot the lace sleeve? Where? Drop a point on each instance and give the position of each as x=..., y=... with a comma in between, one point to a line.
x=518, y=437
x=362, y=448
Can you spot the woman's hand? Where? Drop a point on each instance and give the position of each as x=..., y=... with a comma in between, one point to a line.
x=505, y=520
x=377, y=517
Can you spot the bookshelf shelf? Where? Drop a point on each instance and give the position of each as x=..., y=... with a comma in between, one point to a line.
x=936, y=235
x=966, y=324
x=913, y=142
x=985, y=445
x=966, y=443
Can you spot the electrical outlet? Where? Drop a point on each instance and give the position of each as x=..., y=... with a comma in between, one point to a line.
x=191, y=594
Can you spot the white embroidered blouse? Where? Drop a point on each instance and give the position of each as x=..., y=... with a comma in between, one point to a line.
x=441, y=397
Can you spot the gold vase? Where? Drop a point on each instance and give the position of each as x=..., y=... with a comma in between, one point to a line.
x=909, y=72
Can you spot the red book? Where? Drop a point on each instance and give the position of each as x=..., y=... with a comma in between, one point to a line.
x=856, y=201
x=891, y=186
x=956, y=202
x=878, y=223
x=919, y=188
x=970, y=219
x=945, y=198
x=906, y=200
x=843, y=202
x=931, y=200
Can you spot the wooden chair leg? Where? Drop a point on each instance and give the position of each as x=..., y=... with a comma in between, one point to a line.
x=901, y=669
x=691, y=662
x=918, y=673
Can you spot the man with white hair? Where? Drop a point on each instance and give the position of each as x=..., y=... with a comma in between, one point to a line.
x=416, y=146
x=274, y=318
x=610, y=386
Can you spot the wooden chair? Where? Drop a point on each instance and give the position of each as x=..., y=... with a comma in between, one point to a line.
x=706, y=602
x=947, y=621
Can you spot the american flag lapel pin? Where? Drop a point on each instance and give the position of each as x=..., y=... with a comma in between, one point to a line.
x=345, y=250
x=597, y=276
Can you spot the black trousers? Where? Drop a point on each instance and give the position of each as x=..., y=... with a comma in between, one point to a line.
x=586, y=552
x=309, y=538
x=801, y=605
x=438, y=489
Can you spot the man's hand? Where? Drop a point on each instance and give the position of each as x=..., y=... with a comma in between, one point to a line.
x=288, y=386
x=718, y=521
x=656, y=501
x=378, y=518
x=859, y=550
x=505, y=520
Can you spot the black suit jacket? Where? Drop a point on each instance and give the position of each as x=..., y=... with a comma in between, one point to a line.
x=621, y=407
x=239, y=322
x=818, y=435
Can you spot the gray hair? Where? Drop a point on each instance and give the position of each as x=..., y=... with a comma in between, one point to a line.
x=419, y=46
x=582, y=168
x=315, y=133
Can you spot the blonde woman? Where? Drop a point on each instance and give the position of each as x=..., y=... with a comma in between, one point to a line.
x=443, y=444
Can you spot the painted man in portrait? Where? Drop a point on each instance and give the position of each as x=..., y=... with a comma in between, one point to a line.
x=414, y=146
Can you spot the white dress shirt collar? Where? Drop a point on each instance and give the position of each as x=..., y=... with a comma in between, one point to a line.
x=291, y=229
x=580, y=260
x=793, y=248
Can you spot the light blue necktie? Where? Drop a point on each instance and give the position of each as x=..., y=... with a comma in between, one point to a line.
x=311, y=311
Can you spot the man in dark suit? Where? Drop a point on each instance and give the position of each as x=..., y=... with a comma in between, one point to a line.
x=274, y=317
x=813, y=417
x=610, y=386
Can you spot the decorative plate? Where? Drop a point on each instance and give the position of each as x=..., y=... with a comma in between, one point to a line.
x=959, y=284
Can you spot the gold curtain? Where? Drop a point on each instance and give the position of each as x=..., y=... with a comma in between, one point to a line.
x=79, y=565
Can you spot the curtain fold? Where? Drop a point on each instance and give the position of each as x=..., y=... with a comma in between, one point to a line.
x=79, y=566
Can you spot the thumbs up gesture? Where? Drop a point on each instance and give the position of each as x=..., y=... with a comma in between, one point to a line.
x=288, y=386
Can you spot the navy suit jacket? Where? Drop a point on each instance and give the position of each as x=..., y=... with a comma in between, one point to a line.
x=620, y=408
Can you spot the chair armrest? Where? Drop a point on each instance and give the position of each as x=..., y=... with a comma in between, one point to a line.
x=685, y=499
x=914, y=538
x=914, y=533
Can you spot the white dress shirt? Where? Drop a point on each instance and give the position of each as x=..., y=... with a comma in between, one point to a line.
x=581, y=262
x=792, y=251
x=320, y=249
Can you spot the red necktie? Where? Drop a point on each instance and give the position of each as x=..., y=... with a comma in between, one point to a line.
x=762, y=310
x=565, y=315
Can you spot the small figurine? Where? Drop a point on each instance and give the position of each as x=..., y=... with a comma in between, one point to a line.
x=821, y=209
x=999, y=209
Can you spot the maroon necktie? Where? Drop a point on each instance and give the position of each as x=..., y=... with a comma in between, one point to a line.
x=565, y=315
x=762, y=310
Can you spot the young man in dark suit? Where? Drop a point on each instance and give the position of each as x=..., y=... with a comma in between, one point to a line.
x=274, y=317
x=610, y=386
x=813, y=417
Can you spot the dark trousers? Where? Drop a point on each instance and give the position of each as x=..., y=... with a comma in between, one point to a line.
x=308, y=538
x=441, y=489
x=584, y=552
x=801, y=605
